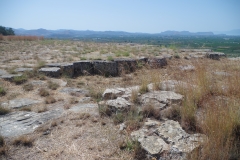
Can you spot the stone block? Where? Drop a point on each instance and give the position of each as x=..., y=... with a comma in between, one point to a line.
x=215, y=55
x=126, y=65
x=105, y=68
x=83, y=68
x=157, y=62
x=67, y=69
x=51, y=72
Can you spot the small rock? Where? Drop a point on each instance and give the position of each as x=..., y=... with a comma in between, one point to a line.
x=122, y=126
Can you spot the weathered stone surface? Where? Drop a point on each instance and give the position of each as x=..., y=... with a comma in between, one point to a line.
x=67, y=69
x=166, y=139
x=23, y=69
x=19, y=123
x=74, y=90
x=126, y=65
x=157, y=62
x=113, y=93
x=215, y=55
x=10, y=77
x=161, y=99
x=85, y=108
x=119, y=92
x=118, y=104
x=3, y=72
x=38, y=83
x=21, y=102
x=105, y=68
x=220, y=73
x=51, y=72
x=187, y=68
x=83, y=68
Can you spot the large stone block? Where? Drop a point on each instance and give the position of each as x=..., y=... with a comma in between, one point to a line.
x=105, y=68
x=83, y=68
x=215, y=55
x=126, y=65
x=51, y=72
x=67, y=69
x=157, y=62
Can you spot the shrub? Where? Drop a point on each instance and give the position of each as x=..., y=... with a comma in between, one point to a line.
x=43, y=92
x=50, y=100
x=23, y=140
x=2, y=91
x=20, y=79
x=52, y=85
x=28, y=87
x=3, y=110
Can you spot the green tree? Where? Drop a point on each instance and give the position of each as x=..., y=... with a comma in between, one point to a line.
x=6, y=31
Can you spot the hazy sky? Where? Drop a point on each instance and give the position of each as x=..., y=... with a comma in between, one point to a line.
x=151, y=16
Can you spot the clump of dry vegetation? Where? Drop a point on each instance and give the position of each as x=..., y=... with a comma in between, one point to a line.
x=23, y=140
x=43, y=92
x=50, y=100
x=52, y=85
x=2, y=91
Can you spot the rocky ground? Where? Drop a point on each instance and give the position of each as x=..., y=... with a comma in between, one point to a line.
x=149, y=113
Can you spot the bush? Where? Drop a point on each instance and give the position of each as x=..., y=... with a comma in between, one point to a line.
x=50, y=100
x=43, y=92
x=3, y=110
x=28, y=87
x=23, y=140
x=20, y=79
x=52, y=85
x=2, y=91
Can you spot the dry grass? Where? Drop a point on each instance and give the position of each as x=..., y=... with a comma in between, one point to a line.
x=52, y=85
x=50, y=100
x=21, y=38
x=23, y=140
x=43, y=92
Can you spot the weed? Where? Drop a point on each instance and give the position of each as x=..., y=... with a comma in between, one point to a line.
x=50, y=100
x=23, y=140
x=20, y=79
x=43, y=92
x=4, y=110
x=28, y=87
x=52, y=85
x=2, y=91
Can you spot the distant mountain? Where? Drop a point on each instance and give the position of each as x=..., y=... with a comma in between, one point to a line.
x=65, y=33
x=235, y=32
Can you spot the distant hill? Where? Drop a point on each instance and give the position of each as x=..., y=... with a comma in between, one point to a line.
x=235, y=32
x=65, y=33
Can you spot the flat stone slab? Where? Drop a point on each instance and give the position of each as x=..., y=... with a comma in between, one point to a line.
x=91, y=108
x=18, y=103
x=67, y=69
x=3, y=72
x=72, y=90
x=23, y=69
x=10, y=77
x=161, y=99
x=19, y=123
x=52, y=72
x=215, y=55
x=221, y=73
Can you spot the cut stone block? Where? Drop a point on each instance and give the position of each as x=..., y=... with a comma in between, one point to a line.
x=10, y=77
x=67, y=69
x=105, y=68
x=51, y=72
x=126, y=65
x=23, y=69
x=83, y=68
x=215, y=55
x=157, y=62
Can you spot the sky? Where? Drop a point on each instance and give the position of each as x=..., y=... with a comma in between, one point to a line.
x=148, y=16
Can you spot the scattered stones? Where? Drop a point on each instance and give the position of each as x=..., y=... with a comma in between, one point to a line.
x=187, y=68
x=19, y=123
x=18, y=103
x=105, y=68
x=51, y=72
x=157, y=62
x=166, y=139
x=23, y=69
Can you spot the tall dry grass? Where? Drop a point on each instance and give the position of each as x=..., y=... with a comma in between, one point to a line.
x=213, y=108
x=21, y=38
